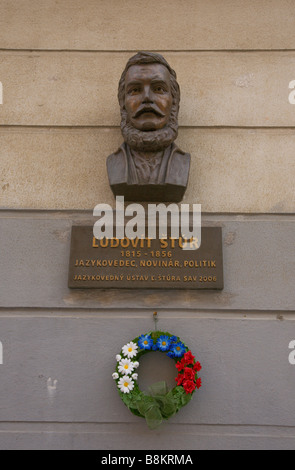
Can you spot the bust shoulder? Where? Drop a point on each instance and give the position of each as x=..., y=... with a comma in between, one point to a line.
x=117, y=166
x=178, y=167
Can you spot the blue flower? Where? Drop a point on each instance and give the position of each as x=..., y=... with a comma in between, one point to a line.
x=170, y=354
x=145, y=342
x=173, y=339
x=154, y=347
x=163, y=343
x=178, y=349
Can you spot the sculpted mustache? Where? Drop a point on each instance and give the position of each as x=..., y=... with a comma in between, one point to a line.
x=148, y=110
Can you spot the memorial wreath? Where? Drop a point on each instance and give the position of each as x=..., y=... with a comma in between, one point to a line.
x=160, y=404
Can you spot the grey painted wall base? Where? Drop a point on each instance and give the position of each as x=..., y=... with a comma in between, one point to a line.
x=107, y=437
x=59, y=346
x=259, y=266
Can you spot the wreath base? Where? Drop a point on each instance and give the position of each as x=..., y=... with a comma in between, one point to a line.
x=160, y=404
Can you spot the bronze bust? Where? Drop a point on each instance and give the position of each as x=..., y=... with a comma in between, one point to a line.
x=148, y=166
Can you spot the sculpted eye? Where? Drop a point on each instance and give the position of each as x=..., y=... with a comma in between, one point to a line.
x=159, y=89
x=134, y=90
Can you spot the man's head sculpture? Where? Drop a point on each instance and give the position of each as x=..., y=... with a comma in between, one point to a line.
x=151, y=140
x=149, y=166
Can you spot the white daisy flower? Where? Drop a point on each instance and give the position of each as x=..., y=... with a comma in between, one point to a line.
x=126, y=366
x=135, y=364
x=125, y=384
x=130, y=349
x=115, y=375
x=134, y=376
x=118, y=357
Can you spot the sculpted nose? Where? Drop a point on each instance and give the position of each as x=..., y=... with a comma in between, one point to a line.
x=147, y=95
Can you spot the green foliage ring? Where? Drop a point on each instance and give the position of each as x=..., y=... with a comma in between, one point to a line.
x=160, y=404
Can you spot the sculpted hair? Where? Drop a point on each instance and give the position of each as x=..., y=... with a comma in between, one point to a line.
x=155, y=140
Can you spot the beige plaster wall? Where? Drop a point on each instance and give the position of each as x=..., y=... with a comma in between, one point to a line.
x=247, y=89
x=238, y=170
x=156, y=24
x=60, y=63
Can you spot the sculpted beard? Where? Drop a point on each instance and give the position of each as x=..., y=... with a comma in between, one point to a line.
x=149, y=141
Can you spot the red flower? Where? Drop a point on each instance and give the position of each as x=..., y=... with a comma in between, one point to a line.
x=188, y=357
x=197, y=366
x=189, y=386
x=189, y=373
x=179, y=379
x=180, y=365
x=198, y=383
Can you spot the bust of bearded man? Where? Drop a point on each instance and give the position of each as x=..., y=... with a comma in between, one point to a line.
x=148, y=166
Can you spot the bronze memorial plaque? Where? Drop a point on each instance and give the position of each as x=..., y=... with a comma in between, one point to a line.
x=145, y=263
